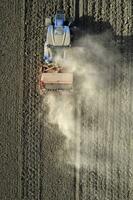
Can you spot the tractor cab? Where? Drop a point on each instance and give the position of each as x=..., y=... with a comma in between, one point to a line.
x=59, y=19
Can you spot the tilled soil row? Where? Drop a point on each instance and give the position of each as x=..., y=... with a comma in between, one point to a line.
x=31, y=136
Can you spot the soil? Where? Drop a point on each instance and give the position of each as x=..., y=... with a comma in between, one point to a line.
x=11, y=97
x=29, y=144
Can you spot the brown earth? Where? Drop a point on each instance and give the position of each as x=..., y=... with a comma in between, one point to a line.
x=11, y=97
x=30, y=168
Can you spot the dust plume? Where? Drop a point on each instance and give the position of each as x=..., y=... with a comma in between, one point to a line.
x=91, y=62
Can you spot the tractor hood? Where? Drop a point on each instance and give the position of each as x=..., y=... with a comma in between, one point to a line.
x=58, y=36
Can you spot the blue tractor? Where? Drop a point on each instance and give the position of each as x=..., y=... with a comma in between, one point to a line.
x=58, y=37
x=53, y=76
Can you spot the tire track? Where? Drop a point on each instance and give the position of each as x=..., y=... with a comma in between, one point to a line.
x=78, y=152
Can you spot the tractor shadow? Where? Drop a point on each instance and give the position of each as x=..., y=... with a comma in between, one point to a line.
x=88, y=25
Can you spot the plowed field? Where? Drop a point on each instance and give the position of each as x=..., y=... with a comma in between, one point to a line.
x=38, y=162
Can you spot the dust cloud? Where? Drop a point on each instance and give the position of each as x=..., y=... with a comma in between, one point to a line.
x=91, y=61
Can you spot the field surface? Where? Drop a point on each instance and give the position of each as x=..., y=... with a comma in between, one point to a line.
x=11, y=97
x=38, y=162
